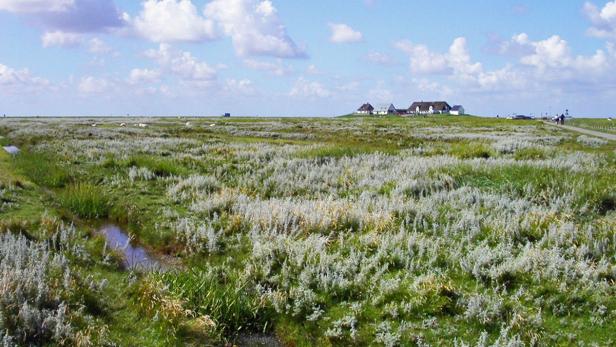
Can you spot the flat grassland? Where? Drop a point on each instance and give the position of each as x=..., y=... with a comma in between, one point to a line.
x=597, y=124
x=350, y=231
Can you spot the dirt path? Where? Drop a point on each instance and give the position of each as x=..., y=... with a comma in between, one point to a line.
x=585, y=131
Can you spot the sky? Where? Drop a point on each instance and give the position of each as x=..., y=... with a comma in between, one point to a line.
x=305, y=58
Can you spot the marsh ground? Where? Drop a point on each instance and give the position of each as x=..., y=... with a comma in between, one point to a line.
x=366, y=231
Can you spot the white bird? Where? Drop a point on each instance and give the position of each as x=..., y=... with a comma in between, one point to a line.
x=122, y=124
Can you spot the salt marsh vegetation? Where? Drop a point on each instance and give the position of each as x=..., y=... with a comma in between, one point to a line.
x=368, y=231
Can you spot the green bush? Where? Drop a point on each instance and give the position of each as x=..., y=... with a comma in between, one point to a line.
x=86, y=201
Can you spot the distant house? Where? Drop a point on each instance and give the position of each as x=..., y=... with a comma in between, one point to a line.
x=227, y=115
x=429, y=107
x=365, y=109
x=457, y=110
x=384, y=110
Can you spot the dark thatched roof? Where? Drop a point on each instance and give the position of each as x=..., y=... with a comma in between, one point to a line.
x=366, y=107
x=424, y=106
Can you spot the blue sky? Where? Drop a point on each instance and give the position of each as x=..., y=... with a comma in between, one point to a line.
x=287, y=58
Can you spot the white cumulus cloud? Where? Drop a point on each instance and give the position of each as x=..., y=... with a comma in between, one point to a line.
x=457, y=64
x=183, y=65
x=254, y=27
x=173, y=21
x=16, y=81
x=540, y=64
x=342, y=33
x=552, y=52
x=553, y=55
x=422, y=60
x=603, y=20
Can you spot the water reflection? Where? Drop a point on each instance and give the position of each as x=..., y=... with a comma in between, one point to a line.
x=135, y=258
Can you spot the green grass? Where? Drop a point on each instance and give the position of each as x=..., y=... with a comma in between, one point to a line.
x=597, y=192
x=121, y=314
x=30, y=201
x=160, y=166
x=44, y=169
x=224, y=297
x=335, y=152
x=597, y=124
x=530, y=154
x=86, y=201
x=472, y=150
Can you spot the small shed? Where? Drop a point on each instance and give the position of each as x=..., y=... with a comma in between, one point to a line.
x=457, y=110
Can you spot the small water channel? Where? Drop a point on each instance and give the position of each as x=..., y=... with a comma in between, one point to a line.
x=135, y=258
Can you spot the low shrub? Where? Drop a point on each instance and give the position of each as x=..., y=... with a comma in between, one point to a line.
x=41, y=294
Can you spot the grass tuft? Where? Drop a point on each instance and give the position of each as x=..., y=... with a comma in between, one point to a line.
x=86, y=201
x=529, y=154
x=472, y=150
x=225, y=298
